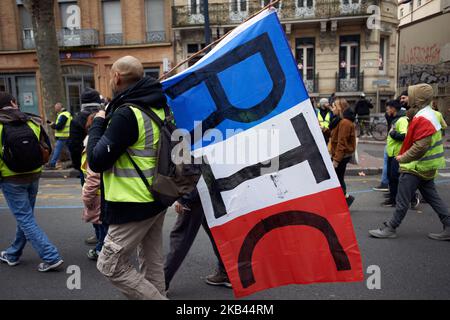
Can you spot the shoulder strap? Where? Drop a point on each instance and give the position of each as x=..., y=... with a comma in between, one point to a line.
x=140, y=173
x=152, y=114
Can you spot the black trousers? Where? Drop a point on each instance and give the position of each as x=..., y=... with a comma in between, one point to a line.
x=393, y=168
x=340, y=171
x=182, y=237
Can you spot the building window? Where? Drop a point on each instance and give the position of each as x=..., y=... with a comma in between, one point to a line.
x=70, y=14
x=305, y=3
x=305, y=54
x=349, y=57
x=154, y=10
x=266, y=2
x=239, y=5
x=151, y=72
x=112, y=22
x=23, y=88
x=383, y=53
x=76, y=79
x=419, y=3
x=402, y=12
x=193, y=48
x=196, y=6
x=27, y=28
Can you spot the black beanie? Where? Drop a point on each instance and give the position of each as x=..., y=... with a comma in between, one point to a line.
x=5, y=99
x=90, y=96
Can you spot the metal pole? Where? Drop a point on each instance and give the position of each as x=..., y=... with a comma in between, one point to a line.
x=207, y=28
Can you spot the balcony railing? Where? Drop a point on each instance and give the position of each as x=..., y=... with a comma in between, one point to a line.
x=312, y=85
x=349, y=83
x=77, y=37
x=227, y=13
x=113, y=39
x=156, y=36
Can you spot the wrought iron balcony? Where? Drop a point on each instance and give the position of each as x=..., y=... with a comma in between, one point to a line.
x=347, y=82
x=312, y=85
x=156, y=36
x=113, y=39
x=77, y=37
x=231, y=13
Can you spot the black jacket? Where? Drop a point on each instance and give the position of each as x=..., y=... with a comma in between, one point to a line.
x=109, y=138
x=78, y=132
x=363, y=107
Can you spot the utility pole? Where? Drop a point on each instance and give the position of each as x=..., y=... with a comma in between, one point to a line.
x=207, y=28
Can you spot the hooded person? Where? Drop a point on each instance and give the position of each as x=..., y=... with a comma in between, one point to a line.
x=420, y=157
x=119, y=140
x=90, y=104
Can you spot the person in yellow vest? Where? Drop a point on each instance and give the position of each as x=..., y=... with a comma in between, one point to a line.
x=62, y=132
x=20, y=170
x=439, y=116
x=420, y=157
x=324, y=115
x=124, y=135
x=397, y=133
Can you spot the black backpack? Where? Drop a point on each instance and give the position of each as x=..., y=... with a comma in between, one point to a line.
x=170, y=181
x=21, y=150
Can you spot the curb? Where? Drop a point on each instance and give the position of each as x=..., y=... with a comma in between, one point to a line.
x=372, y=171
x=65, y=173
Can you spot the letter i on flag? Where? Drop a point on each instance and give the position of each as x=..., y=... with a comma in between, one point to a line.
x=277, y=212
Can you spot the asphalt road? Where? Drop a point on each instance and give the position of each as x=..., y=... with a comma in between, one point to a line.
x=412, y=266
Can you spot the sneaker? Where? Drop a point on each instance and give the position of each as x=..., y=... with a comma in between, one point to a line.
x=381, y=187
x=4, y=258
x=349, y=200
x=384, y=232
x=220, y=278
x=92, y=254
x=442, y=236
x=389, y=203
x=91, y=241
x=415, y=201
x=49, y=167
x=44, y=266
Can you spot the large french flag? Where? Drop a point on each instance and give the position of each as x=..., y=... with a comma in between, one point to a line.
x=268, y=188
x=424, y=124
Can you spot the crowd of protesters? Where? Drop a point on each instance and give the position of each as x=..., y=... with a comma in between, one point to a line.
x=128, y=219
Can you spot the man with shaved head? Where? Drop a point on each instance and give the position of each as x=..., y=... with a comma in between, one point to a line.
x=120, y=140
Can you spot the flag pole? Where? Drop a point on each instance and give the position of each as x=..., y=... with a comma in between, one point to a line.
x=272, y=3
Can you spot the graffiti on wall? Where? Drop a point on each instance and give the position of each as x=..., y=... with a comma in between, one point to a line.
x=421, y=55
x=424, y=73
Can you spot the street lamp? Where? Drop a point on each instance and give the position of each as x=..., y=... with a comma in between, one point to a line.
x=207, y=28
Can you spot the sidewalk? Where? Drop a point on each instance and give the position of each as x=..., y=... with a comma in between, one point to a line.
x=368, y=165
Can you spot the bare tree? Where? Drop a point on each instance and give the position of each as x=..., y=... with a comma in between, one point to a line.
x=47, y=50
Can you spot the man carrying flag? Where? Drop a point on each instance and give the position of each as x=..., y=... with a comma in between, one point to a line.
x=277, y=215
x=421, y=155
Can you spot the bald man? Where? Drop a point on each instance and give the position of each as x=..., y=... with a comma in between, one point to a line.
x=120, y=140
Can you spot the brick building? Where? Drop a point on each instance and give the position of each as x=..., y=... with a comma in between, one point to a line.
x=330, y=40
x=91, y=34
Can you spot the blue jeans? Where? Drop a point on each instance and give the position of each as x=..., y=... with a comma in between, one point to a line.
x=384, y=173
x=21, y=199
x=100, y=232
x=60, y=144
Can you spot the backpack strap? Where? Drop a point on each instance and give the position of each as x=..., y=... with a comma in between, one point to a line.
x=140, y=173
x=152, y=114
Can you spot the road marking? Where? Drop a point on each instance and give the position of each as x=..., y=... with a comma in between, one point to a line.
x=445, y=174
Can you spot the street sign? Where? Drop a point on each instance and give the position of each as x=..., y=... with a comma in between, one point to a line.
x=381, y=82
